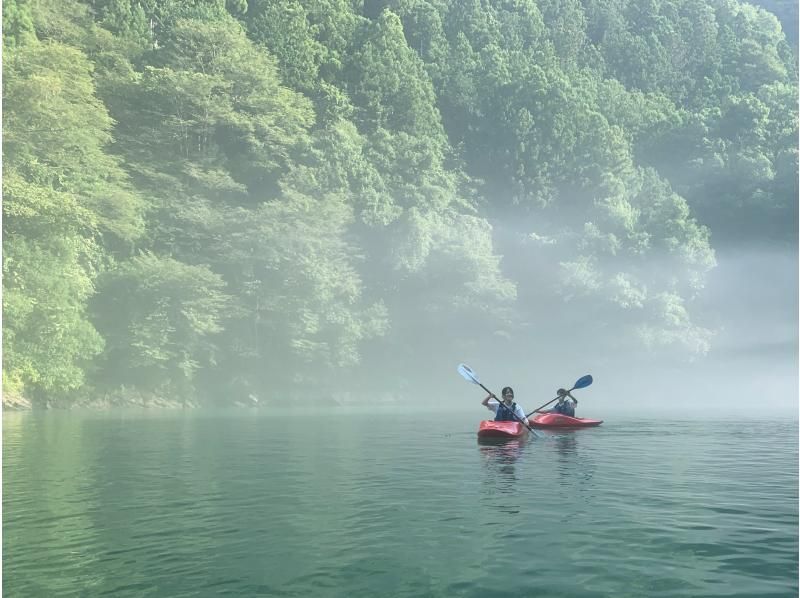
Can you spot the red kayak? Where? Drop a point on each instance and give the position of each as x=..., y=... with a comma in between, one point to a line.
x=556, y=420
x=493, y=429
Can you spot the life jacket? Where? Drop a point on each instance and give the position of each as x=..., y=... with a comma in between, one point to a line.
x=568, y=409
x=505, y=414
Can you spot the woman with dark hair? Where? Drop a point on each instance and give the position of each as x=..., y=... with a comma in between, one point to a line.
x=506, y=409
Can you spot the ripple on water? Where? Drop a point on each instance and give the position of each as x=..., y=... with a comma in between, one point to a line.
x=195, y=505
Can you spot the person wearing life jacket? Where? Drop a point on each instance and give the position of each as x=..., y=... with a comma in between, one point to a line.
x=565, y=406
x=505, y=410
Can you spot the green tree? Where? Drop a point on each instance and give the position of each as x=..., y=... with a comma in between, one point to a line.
x=225, y=124
x=159, y=318
x=299, y=312
x=17, y=23
x=63, y=194
x=48, y=270
x=284, y=28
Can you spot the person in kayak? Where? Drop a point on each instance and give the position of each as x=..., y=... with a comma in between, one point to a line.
x=505, y=410
x=565, y=406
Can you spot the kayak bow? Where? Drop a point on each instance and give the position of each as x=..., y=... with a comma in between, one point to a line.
x=501, y=429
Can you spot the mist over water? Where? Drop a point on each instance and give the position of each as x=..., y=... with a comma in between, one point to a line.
x=749, y=303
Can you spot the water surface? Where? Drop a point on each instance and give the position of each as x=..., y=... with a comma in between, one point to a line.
x=254, y=504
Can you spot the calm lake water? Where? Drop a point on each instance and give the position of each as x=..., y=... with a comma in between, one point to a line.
x=247, y=504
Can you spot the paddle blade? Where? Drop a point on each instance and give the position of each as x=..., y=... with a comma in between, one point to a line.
x=583, y=382
x=468, y=374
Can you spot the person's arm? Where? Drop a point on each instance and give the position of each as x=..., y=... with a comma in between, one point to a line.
x=490, y=406
x=521, y=415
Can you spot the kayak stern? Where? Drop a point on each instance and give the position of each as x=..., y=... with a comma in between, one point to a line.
x=556, y=420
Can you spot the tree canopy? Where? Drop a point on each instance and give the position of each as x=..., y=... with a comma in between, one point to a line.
x=227, y=198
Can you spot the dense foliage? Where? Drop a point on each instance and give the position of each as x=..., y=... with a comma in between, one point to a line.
x=220, y=199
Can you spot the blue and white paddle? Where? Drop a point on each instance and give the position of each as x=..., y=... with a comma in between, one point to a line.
x=580, y=383
x=470, y=376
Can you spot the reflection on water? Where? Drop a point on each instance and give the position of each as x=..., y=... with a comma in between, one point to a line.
x=566, y=445
x=500, y=459
x=502, y=455
x=574, y=466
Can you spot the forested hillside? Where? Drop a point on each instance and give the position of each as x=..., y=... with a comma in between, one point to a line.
x=208, y=200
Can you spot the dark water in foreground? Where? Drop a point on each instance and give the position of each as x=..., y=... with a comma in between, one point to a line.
x=240, y=504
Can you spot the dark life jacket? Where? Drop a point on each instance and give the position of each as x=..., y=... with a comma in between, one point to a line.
x=505, y=414
x=565, y=408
